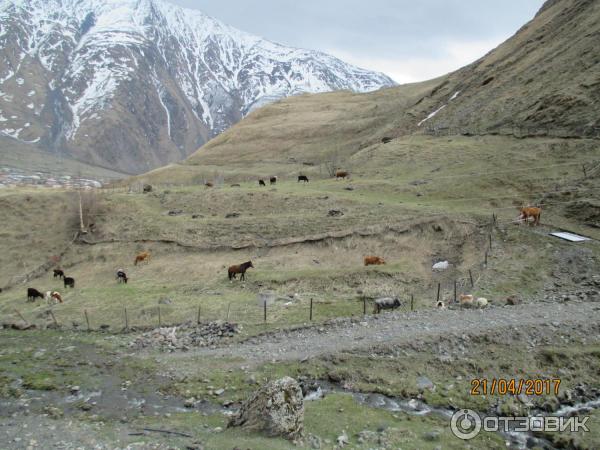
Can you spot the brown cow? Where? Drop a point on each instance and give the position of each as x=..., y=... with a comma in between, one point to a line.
x=341, y=174
x=208, y=184
x=374, y=261
x=241, y=269
x=53, y=296
x=144, y=256
x=530, y=211
x=466, y=300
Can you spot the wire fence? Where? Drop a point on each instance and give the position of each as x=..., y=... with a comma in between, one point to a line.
x=267, y=309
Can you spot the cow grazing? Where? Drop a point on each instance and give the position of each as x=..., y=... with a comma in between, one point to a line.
x=465, y=300
x=386, y=303
x=59, y=273
x=69, y=282
x=341, y=174
x=273, y=180
x=121, y=276
x=32, y=294
x=144, y=256
x=528, y=212
x=241, y=269
x=374, y=261
x=302, y=178
x=261, y=182
x=208, y=184
x=53, y=296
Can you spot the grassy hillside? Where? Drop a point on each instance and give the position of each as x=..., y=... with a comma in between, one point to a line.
x=414, y=201
x=542, y=81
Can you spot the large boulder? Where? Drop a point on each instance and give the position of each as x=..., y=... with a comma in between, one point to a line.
x=276, y=409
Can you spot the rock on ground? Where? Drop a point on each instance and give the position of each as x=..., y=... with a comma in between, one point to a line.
x=276, y=409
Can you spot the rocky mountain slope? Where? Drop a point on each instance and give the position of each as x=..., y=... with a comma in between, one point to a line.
x=543, y=81
x=132, y=85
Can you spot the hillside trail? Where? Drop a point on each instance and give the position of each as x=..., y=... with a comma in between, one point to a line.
x=395, y=328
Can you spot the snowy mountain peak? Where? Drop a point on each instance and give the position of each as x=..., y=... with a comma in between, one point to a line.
x=159, y=78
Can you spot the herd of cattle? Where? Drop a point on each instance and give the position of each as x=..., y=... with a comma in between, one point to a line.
x=339, y=174
x=465, y=300
x=380, y=304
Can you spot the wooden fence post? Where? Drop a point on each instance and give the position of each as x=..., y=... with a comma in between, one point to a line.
x=126, y=319
x=311, y=309
x=228, y=307
x=584, y=171
x=87, y=320
x=412, y=302
x=159, y=318
x=490, y=242
x=438, y=292
x=455, y=291
x=486, y=256
x=471, y=278
x=53, y=318
x=364, y=306
x=198, y=318
x=265, y=310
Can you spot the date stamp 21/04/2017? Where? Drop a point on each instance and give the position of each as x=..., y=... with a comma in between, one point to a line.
x=514, y=386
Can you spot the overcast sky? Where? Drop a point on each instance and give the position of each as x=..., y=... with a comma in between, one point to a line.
x=409, y=40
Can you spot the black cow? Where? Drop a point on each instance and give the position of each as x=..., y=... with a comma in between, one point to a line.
x=121, y=276
x=273, y=180
x=261, y=183
x=302, y=178
x=32, y=294
x=68, y=281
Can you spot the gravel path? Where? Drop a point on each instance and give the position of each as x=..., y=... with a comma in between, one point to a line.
x=399, y=328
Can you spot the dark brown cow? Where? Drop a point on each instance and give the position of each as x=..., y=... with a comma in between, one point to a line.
x=59, y=273
x=241, y=269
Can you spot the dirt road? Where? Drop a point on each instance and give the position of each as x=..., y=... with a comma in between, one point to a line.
x=401, y=328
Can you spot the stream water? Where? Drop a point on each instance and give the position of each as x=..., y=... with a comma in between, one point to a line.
x=112, y=399
x=514, y=440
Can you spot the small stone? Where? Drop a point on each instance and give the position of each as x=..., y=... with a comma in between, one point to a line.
x=425, y=383
x=342, y=439
x=314, y=441
x=431, y=436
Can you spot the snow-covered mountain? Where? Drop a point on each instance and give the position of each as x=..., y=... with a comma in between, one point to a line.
x=134, y=84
